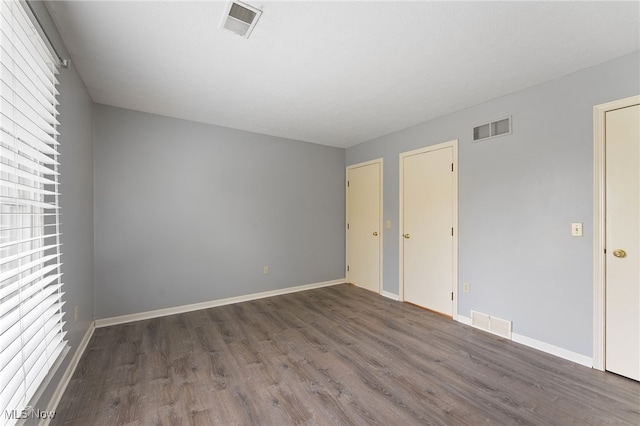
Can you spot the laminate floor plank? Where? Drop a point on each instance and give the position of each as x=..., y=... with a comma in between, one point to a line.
x=337, y=355
x=383, y=363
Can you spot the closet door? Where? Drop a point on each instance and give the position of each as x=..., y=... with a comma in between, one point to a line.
x=622, y=317
x=428, y=216
x=364, y=183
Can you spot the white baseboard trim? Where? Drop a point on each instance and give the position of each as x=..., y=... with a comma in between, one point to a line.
x=542, y=346
x=464, y=320
x=123, y=319
x=553, y=350
x=389, y=295
x=71, y=368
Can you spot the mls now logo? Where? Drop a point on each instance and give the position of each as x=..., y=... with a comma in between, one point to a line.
x=28, y=413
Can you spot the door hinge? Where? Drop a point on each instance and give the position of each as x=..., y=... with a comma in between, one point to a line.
x=605, y=251
x=451, y=166
x=452, y=232
x=347, y=226
x=451, y=295
x=347, y=184
x=347, y=268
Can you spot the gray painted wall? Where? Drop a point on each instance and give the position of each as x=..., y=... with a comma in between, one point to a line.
x=76, y=200
x=188, y=212
x=518, y=195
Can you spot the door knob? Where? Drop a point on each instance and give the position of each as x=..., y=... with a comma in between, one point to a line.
x=406, y=236
x=375, y=233
x=619, y=253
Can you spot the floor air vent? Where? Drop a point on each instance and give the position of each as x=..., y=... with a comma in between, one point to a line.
x=493, y=129
x=491, y=324
x=240, y=18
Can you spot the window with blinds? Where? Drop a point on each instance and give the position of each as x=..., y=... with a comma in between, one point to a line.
x=31, y=316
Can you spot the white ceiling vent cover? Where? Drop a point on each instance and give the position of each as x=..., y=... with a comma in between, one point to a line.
x=240, y=18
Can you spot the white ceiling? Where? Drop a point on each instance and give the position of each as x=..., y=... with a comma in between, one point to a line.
x=333, y=73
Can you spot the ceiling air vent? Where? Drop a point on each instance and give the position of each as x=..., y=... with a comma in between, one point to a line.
x=240, y=18
x=493, y=129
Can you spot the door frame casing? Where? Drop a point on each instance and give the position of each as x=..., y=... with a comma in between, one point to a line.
x=450, y=144
x=346, y=220
x=599, y=225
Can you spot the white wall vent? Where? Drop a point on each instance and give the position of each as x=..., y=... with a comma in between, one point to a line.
x=491, y=324
x=493, y=129
x=240, y=18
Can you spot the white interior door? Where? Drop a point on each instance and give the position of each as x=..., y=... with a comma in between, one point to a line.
x=622, y=294
x=363, y=225
x=427, y=229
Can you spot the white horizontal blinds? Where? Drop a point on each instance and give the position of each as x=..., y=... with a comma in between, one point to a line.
x=31, y=314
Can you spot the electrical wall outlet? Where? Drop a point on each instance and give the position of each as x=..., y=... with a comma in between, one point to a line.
x=465, y=287
x=265, y=269
x=388, y=223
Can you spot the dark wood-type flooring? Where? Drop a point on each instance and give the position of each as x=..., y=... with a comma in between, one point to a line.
x=336, y=355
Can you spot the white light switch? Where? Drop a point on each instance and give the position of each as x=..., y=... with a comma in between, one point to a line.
x=388, y=224
x=576, y=229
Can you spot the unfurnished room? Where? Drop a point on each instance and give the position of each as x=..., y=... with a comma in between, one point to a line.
x=319, y=212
